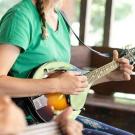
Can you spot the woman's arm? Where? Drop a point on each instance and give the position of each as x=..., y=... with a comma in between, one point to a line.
x=68, y=83
x=15, y=86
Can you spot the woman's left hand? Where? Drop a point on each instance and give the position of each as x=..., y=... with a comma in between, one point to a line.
x=123, y=72
x=12, y=119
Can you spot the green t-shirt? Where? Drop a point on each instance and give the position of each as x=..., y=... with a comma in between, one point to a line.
x=21, y=26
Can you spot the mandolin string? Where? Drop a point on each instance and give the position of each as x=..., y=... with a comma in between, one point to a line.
x=47, y=128
x=47, y=125
x=50, y=128
x=53, y=132
x=42, y=132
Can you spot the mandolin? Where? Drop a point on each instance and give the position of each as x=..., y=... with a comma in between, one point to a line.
x=46, y=106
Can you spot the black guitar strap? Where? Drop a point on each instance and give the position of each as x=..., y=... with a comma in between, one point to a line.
x=66, y=20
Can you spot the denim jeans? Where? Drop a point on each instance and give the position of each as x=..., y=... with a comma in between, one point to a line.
x=93, y=127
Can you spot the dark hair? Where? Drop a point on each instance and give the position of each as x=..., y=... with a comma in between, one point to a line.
x=41, y=11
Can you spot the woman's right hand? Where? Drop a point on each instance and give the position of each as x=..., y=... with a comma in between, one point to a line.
x=67, y=125
x=71, y=82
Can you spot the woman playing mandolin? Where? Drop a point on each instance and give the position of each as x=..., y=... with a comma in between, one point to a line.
x=34, y=32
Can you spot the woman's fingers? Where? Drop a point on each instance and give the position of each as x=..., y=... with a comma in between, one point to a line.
x=67, y=125
x=127, y=69
x=71, y=127
x=74, y=73
x=115, y=55
x=82, y=78
x=73, y=82
x=126, y=76
x=123, y=61
x=124, y=65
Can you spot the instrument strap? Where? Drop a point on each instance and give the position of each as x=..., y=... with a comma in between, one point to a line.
x=99, y=53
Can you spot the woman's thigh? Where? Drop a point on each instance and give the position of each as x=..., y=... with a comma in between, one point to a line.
x=99, y=126
x=88, y=131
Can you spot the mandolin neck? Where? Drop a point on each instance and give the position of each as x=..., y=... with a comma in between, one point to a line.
x=102, y=71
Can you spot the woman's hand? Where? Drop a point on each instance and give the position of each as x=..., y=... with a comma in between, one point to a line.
x=71, y=82
x=123, y=72
x=68, y=126
x=12, y=120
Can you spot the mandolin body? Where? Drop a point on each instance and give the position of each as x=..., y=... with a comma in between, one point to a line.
x=57, y=102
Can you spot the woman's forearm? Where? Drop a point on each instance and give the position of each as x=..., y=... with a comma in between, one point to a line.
x=17, y=87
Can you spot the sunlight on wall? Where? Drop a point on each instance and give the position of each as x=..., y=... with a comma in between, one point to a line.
x=124, y=95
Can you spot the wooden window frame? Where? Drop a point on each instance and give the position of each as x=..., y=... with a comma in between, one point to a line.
x=107, y=20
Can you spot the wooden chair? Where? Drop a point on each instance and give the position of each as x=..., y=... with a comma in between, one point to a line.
x=102, y=105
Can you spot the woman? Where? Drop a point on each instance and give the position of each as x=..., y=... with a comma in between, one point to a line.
x=32, y=33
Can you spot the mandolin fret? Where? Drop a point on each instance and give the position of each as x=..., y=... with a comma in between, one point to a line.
x=102, y=71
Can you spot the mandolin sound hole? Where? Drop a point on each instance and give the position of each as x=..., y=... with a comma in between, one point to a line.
x=46, y=113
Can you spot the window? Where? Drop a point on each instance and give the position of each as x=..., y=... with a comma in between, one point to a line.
x=94, y=33
x=123, y=24
x=95, y=21
x=5, y=5
x=72, y=10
